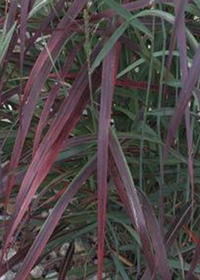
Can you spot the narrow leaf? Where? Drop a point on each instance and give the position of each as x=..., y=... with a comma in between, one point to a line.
x=152, y=224
x=109, y=72
x=135, y=205
x=66, y=262
x=52, y=95
x=184, y=98
x=124, y=13
x=53, y=219
x=5, y=41
x=35, y=83
x=109, y=45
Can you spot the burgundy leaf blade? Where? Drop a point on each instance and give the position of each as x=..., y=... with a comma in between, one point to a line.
x=53, y=219
x=47, y=153
x=43, y=65
x=182, y=103
x=181, y=37
x=109, y=71
x=52, y=95
x=134, y=202
x=152, y=224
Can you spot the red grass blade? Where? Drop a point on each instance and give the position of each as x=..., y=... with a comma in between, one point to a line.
x=182, y=218
x=176, y=28
x=110, y=65
x=134, y=202
x=34, y=85
x=53, y=219
x=67, y=116
x=182, y=103
x=46, y=154
x=11, y=14
x=52, y=95
x=62, y=126
x=139, y=84
x=152, y=224
x=181, y=36
x=161, y=261
x=23, y=27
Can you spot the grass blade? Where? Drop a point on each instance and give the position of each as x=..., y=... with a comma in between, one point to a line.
x=35, y=83
x=49, y=148
x=152, y=224
x=134, y=202
x=109, y=71
x=52, y=95
x=182, y=103
x=109, y=45
x=62, y=126
x=66, y=262
x=124, y=13
x=53, y=219
x=5, y=40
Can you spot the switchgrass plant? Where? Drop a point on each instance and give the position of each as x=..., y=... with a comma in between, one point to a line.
x=99, y=142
